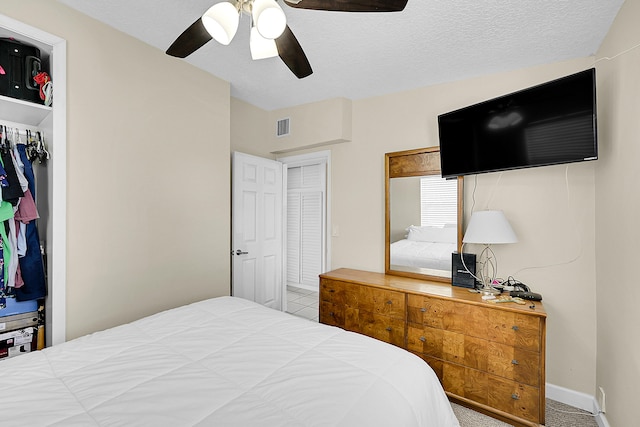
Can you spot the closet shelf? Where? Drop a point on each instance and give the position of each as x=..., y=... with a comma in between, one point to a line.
x=19, y=111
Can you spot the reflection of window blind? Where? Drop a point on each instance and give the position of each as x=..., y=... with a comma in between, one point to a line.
x=438, y=201
x=305, y=200
x=558, y=140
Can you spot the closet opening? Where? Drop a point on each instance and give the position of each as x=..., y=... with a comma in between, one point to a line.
x=307, y=213
x=34, y=140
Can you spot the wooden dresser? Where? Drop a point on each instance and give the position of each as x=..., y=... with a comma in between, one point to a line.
x=488, y=356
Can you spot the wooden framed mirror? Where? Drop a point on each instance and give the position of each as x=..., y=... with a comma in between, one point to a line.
x=423, y=219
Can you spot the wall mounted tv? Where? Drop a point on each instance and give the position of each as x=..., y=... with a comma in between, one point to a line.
x=547, y=124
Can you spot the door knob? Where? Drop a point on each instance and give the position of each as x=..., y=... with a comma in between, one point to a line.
x=240, y=252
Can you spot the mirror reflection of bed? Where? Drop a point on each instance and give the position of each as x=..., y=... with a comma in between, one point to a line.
x=423, y=220
x=423, y=224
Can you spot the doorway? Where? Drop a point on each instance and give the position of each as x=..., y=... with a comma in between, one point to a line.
x=306, y=251
x=299, y=216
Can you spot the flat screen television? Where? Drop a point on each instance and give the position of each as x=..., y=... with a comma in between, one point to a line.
x=547, y=124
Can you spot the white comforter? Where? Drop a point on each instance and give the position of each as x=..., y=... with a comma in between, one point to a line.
x=222, y=362
x=412, y=253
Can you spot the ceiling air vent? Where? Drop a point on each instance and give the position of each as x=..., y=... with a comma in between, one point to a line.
x=282, y=128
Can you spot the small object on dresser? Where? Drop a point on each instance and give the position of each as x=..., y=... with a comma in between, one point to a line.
x=463, y=270
x=505, y=298
x=526, y=295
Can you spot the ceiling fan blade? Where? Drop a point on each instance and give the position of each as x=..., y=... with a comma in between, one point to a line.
x=350, y=5
x=192, y=39
x=292, y=54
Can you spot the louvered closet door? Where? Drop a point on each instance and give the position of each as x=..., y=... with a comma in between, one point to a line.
x=305, y=218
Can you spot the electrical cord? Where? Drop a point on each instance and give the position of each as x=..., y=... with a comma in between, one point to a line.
x=517, y=285
x=579, y=254
x=616, y=55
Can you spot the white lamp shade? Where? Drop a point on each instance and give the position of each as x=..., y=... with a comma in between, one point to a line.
x=260, y=47
x=269, y=18
x=489, y=227
x=221, y=21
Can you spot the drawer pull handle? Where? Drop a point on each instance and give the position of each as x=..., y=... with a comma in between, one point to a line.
x=515, y=327
x=388, y=328
x=423, y=339
x=332, y=290
x=332, y=314
x=389, y=302
x=515, y=397
x=424, y=310
x=514, y=362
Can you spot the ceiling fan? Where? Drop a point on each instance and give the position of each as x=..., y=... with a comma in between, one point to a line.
x=270, y=35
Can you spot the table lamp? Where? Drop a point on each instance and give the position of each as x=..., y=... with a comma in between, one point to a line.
x=488, y=228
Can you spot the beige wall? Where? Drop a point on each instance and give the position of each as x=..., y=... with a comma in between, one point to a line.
x=311, y=125
x=249, y=129
x=147, y=169
x=550, y=208
x=617, y=225
x=404, y=195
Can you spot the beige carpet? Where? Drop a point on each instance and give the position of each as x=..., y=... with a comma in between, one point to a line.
x=557, y=415
x=470, y=418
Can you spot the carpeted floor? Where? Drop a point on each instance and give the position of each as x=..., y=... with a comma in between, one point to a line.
x=557, y=415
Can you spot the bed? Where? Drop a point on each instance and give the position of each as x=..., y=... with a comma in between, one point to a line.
x=425, y=247
x=222, y=362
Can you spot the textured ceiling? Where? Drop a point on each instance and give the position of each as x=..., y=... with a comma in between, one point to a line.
x=360, y=55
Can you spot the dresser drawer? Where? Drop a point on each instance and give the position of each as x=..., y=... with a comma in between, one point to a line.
x=331, y=314
x=437, y=313
x=448, y=346
x=332, y=291
x=507, y=328
x=378, y=326
x=513, y=363
x=515, y=398
x=433, y=342
x=379, y=301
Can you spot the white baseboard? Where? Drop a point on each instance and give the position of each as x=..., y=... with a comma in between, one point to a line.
x=578, y=400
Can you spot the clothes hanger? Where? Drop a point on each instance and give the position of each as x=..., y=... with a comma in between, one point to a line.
x=43, y=154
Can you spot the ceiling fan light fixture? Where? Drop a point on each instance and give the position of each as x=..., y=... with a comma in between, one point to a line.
x=260, y=47
x=269, y=18
x=221, y=21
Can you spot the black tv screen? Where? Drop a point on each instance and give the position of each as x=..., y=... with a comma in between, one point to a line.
x=547, y=124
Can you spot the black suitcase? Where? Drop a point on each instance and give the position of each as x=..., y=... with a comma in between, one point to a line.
x=19, y=63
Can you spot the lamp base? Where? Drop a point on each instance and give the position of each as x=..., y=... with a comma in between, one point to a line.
x=488, y=290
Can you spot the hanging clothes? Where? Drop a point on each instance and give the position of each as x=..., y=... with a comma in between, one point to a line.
x=13, y=192
x=6, y=213
x=31, y=264
x=22, y=272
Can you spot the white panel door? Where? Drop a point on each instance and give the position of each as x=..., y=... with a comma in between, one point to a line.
x=257, y=230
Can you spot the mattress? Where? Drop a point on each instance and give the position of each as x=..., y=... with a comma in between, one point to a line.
x=222, y=362
x=412, y=253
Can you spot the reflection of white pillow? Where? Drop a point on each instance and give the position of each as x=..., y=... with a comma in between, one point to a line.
x=433, y=234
